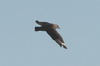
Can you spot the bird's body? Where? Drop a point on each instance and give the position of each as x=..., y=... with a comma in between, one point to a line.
x=51, y=30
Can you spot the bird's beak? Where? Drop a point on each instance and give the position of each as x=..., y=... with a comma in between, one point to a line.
x=58, y=27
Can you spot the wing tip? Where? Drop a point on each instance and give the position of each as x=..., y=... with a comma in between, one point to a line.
x=36, y=21
x=64, y=46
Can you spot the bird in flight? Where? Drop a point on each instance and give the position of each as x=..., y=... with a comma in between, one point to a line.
x=51, y=30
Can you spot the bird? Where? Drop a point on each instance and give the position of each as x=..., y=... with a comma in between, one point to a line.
x=50, y=28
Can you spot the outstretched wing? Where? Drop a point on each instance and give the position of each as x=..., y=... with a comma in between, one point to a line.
x=42, y=23
x=56, y=36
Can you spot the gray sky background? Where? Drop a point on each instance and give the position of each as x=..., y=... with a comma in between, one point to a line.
x=79, y=21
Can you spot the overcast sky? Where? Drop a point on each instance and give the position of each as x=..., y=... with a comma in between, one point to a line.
x=79, y=21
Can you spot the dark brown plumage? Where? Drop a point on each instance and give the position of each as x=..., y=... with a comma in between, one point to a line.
x=51, y=30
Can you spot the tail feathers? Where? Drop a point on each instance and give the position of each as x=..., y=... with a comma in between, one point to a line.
x=39, y=29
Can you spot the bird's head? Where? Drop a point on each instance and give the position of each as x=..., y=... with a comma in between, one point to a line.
x=56, y=26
